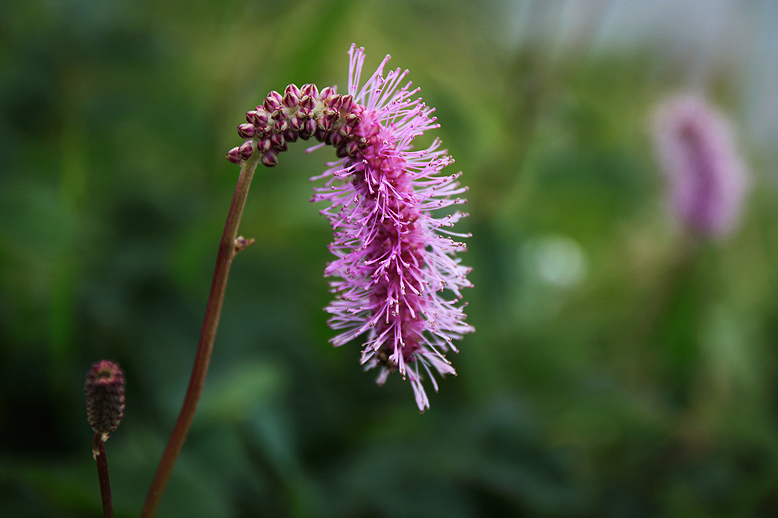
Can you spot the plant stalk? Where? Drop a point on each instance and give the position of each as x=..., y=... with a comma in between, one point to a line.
x=228, y=247
x=98, y=451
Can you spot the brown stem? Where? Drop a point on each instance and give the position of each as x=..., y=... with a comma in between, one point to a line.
x=227, y=250
x=98, y=451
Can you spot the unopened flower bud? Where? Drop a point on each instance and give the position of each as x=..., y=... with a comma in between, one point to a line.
x=352, y=147
x=233, y=155
x=257, y=117
x=307, y=104
x=353, y=120
x=290, y=135
x=278, y=142
x=347, y=103
x=325, y=124
x=330, y=115
x=281, y=125
x=296, y=122
x=335, y=102
x=308, y=129
x=320, y=134
x=273, y=101
x=335, y=138
x=346, y=131
x=291, y=96
x=310, y=90
x=264, y=131
x=342, y=150
x=263, y=146
x=104, y=396
x=326, y=92
x=269, y=159
x=245, y=150
x=247, y=131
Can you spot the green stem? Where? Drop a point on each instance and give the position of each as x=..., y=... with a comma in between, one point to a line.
x=228, y=247
x=98, y=451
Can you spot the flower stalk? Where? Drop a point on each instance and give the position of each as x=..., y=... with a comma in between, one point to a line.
x=98, y=452
x=104, y=390
x=229, y=246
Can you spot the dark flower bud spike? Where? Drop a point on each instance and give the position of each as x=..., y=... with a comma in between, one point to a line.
x=104, y=390
x=104, y=396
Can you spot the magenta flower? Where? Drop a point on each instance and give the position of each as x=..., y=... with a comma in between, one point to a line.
x=707, y=179
x=394, y=258
x=398, y=280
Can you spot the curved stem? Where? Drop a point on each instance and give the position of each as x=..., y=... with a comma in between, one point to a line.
x=228, y=247
x=98, y=451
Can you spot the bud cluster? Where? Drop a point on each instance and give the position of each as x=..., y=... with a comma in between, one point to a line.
x=301, y=113
x=104, y=396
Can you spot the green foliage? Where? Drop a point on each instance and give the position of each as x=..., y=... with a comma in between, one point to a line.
x=617, y=369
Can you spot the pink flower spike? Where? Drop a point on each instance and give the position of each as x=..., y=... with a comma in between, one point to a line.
x=397, y=278
x=707, y=179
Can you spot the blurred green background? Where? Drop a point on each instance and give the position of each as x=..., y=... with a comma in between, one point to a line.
x=616, y=370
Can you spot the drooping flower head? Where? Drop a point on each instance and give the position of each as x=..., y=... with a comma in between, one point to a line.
x=707, y=179
x=398, y=283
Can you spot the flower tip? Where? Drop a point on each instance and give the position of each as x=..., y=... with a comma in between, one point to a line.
x=356, y=50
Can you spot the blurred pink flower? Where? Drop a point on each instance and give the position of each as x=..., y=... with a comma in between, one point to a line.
x=399, y=281
x=707, y=179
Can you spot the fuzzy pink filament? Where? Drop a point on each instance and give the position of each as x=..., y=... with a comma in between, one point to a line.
x=399, y=281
